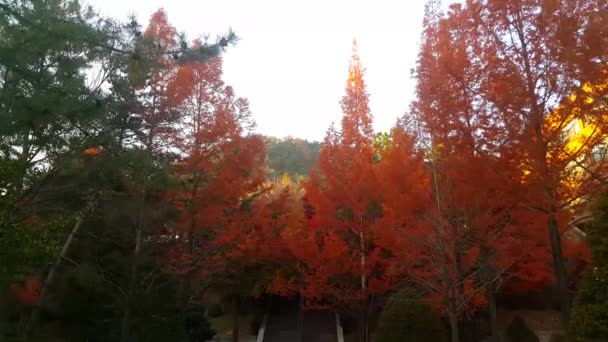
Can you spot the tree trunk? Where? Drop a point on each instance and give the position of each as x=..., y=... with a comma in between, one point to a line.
x=363, y=326
x=235, y=318
x=488, y=277
x=559, y=270
x=50, y=278
x=23, y=164
x=491, y=296
x=185, y=287
x=126, y=318
x=465, y=326
x=454, y=326
x=124, y=324
x=300, y=318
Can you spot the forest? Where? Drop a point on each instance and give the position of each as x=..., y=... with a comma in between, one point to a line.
x=139, y=203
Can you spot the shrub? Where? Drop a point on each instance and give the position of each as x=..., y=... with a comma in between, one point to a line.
x=589, y=320
x=198, y=326
x=406, y=317
x=215, y=310
x=558, y=338
x=518, y=331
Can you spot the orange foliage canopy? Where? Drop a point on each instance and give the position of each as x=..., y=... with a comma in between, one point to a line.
x=221, y=170
x=348, y=254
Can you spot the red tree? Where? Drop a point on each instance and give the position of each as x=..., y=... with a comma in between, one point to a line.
x=477, y=230
x=531, y=63
x=159, y=91
x=221, y=170
x=344, y=259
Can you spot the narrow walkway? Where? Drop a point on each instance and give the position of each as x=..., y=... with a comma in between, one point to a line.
x=282, y=323
x=319, y=326
x=284, y=320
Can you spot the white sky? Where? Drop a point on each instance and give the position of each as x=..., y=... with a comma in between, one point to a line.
x=292, y=59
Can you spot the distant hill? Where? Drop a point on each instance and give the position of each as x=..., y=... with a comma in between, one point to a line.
x=293, y=156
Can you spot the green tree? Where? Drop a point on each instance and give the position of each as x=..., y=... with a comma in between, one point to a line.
x=75, y=185
x=292, y=156
x=41, y=101
x=589, y=321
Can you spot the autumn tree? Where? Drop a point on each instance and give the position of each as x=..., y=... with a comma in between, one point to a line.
x=277, y=218
x=256, y=258
x=478, y=232
x=344, y=195
x=537, y=56
x=219, y=168
x=526, y=64
x=346, y=263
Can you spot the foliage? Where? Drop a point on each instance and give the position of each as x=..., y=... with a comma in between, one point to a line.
x=351, y=252
x=43, y=99
x=407, y=317
x=291, y=156
x=498, y=87
x=80, y=152
x=133, y=183
x=474, y=231
x=590, y=313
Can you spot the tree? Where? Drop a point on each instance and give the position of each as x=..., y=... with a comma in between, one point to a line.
x=346, y=202
x=345, y=263
x=83, y=170
x=478, y=232
x=590, y=312
x=258, y=258
x=521, y=68
x=295, y=157
x=44, y=103
x=220, y=169
x=541, y=52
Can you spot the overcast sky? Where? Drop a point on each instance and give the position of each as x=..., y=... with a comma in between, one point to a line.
x=292, y=59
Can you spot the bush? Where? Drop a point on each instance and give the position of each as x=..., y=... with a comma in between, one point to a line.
x=198, y=326
x=557, y=338
x=518, y=331
x=589, y=320
x=215, y=310
x=407, y=318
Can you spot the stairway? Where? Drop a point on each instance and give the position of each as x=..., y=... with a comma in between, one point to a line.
x=319, y=326
x=283, y=323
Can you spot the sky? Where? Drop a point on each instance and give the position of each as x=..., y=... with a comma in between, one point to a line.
x=291, y=62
